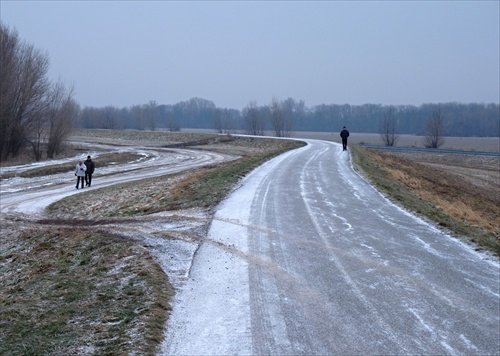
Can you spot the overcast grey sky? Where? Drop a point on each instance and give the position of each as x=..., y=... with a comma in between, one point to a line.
x=124, y=53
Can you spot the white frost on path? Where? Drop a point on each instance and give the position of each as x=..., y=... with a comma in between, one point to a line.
x=211, y=312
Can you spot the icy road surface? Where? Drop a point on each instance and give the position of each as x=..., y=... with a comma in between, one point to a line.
x=306, y=258
x=31, y=195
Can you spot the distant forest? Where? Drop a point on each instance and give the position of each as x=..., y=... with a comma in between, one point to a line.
x=461, y=120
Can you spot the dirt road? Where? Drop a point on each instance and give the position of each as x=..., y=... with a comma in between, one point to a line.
x=31, y=195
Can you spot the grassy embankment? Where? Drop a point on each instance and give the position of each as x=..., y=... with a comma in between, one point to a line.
x=468, y=212
x=71, y=288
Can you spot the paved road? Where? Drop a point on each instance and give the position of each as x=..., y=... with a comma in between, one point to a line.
x=306, y=258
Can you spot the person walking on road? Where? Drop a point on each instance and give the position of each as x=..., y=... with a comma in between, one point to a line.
x=90, y=170
x=80, y=173
x=344, y=134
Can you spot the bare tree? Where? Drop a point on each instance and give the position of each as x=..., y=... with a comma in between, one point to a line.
x=61, y=114
x=291, y=109
x=139, y=116
x=9, y=47
x=435, y=129
x=109, y=117
x=23, y=73
x=30, y=96
x=150, y=113
x=89, y=118
x=277, y=117
x=52, y=125
x=172, y=125
x=253, y=120
x=37, y=136
x=224, y=121
x=219, y=121
x=281, y=118
x=388, y=127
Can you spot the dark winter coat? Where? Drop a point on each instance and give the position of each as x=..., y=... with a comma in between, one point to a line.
x=344, y=134
x=90, y=166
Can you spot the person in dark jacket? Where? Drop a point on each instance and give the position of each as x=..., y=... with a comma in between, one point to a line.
x=344, y=134
x=90, y=170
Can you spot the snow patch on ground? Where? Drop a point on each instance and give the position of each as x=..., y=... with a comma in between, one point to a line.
x=211, y=312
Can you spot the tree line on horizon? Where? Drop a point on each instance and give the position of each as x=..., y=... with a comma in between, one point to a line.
x=285, y=116
x=37, y=114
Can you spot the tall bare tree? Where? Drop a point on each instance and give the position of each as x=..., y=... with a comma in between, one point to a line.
x=388, y=127
x=219, y=121
x=52, y=125
x=150, y=112
x=172, y=125
x=109, y=117
x=37, y=136
x=24, y=85
x=62, y=111
x=139, y=116
x=281, y=118
x=9, y=47
x=435, y=129
x=252, y=119
x=224, y=121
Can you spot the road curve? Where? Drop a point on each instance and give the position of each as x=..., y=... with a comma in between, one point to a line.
x=307, y=258
x=31, y=195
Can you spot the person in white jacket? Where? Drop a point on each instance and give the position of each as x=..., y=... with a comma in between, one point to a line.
x=80, y=173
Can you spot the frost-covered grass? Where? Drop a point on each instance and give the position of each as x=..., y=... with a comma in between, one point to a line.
x=157, y=138
x=73, y=290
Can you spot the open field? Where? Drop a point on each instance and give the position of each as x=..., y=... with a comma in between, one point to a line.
x=483, y=144
x=81, y=280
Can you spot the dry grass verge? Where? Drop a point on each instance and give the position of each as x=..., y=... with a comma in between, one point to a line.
x=466, y=207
